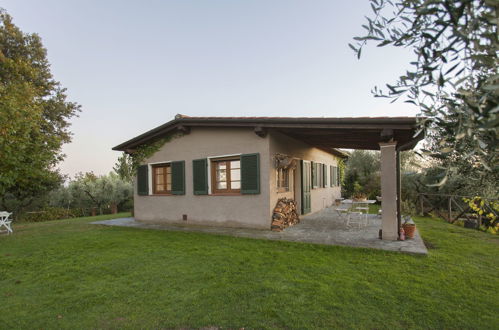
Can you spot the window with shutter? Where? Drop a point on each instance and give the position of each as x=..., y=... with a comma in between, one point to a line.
x=250, y=174
x=226, y=175
x=161, y=179
x=178, y=177
x=200, y=176
x=143, y=180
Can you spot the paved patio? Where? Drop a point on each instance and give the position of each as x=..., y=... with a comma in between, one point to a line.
x=323, y=227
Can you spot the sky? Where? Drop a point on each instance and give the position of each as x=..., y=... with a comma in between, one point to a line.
x=133, y=65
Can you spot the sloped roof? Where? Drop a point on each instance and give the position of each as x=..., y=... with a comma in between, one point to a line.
x=327, y=133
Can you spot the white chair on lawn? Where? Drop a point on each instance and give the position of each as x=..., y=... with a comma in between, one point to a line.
x=5, y=221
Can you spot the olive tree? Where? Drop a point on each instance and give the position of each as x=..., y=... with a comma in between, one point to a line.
x=453, y=78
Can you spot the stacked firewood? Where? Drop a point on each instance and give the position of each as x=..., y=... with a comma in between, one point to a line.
x=285, y=214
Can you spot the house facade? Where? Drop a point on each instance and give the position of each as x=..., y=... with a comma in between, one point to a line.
x=227, y=177
x=231, y=171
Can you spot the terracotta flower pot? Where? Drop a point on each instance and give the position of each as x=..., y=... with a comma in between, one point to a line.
x=409, y=229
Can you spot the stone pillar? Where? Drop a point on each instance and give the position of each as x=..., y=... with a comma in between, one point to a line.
x=389, y=190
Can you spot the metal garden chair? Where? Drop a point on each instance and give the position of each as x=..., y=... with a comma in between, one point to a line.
x=356, y=218
x=5, y=221
x=342, y=211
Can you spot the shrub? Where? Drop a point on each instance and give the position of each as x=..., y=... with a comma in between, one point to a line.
x=52, y=213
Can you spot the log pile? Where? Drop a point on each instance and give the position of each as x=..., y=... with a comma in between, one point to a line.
x=284, y=215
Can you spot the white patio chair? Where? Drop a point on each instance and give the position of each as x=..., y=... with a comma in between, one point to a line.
x=364, y=209
x=5, y=221
x=342, y=211
x=355, y=218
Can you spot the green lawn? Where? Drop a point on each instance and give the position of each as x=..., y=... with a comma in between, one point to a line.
x=70, y=274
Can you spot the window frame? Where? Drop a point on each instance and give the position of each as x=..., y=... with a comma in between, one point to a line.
x=213, y=175
x=165, y=192
x=286, y=174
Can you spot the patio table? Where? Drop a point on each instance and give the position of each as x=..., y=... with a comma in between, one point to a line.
x=351, y=201
x=359, y=205
x=359, y=208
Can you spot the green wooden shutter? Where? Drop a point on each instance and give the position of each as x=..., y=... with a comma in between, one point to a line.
x=200, y=176
x=324, y=176
x=250, y=174
x=338, y=176
x=143, y=180
x=314, y=174
x=331, y=176
x=178, y=177
x=319, y=175
x=335, y=176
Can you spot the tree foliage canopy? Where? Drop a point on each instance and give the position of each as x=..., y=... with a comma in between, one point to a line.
x=88, y=190
x=34, y=115
x=124, y=167
x=454, y=76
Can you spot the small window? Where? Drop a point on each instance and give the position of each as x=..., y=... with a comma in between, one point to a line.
x=226, y=175
x=162, y=179
x=282, y=180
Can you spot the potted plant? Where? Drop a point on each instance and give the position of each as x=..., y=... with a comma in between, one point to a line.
x=409, y=227
x=358, y=195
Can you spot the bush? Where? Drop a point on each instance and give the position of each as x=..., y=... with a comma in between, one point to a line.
x=52, y=213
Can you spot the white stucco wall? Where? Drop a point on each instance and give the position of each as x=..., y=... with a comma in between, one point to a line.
x=233, y=211
x=320, y=197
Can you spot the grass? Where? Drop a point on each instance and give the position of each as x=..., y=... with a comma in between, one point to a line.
x=70, y=274
x=374, y=208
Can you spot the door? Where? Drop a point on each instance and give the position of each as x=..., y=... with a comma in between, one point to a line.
x=306, y=184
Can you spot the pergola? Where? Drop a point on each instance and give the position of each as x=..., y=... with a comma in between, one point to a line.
x=390, y=135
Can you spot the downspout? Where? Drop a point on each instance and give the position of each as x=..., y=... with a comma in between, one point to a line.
x=399, y=193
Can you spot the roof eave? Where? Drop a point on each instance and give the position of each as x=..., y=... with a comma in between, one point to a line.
x=324, y=123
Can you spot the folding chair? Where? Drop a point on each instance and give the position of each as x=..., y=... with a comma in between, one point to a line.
x=342, y=211
x=5, y=221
